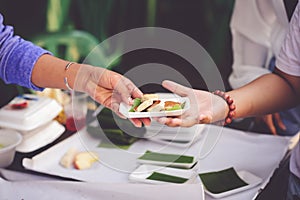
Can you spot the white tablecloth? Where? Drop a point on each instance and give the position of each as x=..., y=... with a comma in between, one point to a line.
x=219, y=148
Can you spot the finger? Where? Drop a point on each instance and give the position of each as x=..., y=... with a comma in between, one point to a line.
x=171, y=122
x=105, y=97
x=269, y=122
x=279, y=121
x=205, y=119
x=146, y=121
x=136, y=122
x=176, y=88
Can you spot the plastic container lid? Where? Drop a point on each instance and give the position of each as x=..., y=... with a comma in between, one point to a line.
x=39, y=111
x=40, y=137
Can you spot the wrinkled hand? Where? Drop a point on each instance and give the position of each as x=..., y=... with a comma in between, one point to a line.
x=108, y=88
x=204, y=107
x=270, y=120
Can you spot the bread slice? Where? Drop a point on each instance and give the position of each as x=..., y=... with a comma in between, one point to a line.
x=156, y=106
x=146, y=97
x=143, y=106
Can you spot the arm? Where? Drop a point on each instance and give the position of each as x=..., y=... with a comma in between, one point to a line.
x=26, y=64
x=105, y=86
x=267, y=94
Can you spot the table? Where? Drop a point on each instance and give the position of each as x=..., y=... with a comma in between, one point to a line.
x=231, y=147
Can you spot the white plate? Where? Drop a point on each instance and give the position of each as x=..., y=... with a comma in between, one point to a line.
x=175, y=136
x=170, y=164
x=143, y=171
x=246, y=176
x=124, y=109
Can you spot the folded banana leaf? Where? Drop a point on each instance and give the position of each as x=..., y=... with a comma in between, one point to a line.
x=114, y=129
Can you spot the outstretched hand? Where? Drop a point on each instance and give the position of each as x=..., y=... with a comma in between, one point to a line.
x=204, y=107
x=109, y=89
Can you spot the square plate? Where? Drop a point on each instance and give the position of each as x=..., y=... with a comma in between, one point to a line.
x=251, y=179
x=175, y=136
x=124, y=109
x=143, y=172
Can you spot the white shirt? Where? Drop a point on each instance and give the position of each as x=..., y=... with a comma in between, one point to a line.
x=288, y=61
x=258, y=29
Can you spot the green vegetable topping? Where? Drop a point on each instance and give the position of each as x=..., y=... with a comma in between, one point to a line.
x=175, y=107
x=136, y=103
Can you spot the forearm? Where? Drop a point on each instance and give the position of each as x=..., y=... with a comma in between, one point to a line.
x=267, y=94
x=49, y=72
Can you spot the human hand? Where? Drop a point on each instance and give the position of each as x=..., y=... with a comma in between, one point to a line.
x=270, y=120
x=205, y=107
x=109, y=89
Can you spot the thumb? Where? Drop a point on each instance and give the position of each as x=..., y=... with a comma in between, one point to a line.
x=176, y=88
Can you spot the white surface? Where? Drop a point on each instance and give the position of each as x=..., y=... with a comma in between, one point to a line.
x=143, y=171
x=49, y=190
x=251, y=179
x=9, y=139
x=40, y=137
x=218, y=149
x=124, y=109
x=38, y=112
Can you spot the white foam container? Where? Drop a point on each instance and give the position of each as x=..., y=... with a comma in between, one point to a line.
x=40, y=111
x=40, y=137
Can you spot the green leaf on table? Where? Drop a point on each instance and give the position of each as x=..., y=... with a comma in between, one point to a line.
x=166, y=178
x=222, y=181
x=114, y=131
x=164, y=157
x=113, y=146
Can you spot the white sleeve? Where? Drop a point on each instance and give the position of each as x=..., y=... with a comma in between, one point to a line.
x=250, y=49
x=288, y=59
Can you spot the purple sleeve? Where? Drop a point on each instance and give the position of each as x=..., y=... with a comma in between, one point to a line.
x=17, y=57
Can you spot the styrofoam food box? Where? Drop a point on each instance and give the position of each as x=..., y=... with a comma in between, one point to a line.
x=40, y=110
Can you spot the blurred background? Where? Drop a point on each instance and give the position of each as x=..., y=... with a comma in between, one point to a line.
x=70, y=28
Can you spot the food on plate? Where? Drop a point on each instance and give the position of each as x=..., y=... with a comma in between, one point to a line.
x=78, y=160
x=156, y=106
x=68, y=158
x=19, y=104
x=144, y=105
x=152, y=103
x=171, y=105
x=149, y=96
x=136, y=103
x=84, y=160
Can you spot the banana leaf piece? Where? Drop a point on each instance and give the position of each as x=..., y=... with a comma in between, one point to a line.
x=222, y=181
x=166, y=178
x=164, y=157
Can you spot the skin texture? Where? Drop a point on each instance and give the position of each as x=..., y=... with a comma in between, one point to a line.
x=268, y=94
x=104, y=86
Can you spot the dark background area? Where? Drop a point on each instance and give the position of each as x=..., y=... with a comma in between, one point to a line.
x=206, y=21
